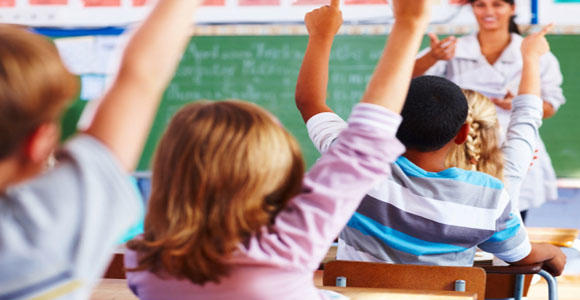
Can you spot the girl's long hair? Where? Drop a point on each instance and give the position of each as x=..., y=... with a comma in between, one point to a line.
x=222, y=172
x=481, y=151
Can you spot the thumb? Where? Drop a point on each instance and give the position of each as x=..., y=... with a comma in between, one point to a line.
x=335, y=4
x=433, y=37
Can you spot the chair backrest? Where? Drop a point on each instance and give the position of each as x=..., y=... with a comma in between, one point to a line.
x=382, y=275
x=501, y=280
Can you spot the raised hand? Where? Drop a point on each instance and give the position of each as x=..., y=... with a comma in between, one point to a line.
x=322, y=24
x=442, y=49
x=533, y=47
x=536, y=44
x=412, y=11
x=325, y=21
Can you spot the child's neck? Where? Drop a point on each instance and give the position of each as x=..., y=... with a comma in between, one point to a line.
x=433, y=161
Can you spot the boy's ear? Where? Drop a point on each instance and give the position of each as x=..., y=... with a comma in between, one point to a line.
x=461, y=136
x=42, y=142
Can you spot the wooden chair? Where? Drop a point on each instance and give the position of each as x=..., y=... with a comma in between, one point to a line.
x=509, y=281
x=116, y=269
x=410, y=277
x=514, y=281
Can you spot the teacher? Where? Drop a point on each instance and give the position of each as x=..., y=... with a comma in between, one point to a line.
x=490, y=62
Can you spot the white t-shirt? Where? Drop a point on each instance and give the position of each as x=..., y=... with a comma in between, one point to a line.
x=470, y=70
x=58, y=230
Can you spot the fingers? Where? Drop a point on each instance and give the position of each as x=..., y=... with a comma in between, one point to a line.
x=442, y=49
x=448, y=41
x=503, y=103
x=335, y=4
x=546, y=29
x=450, y=51
x=433, y=37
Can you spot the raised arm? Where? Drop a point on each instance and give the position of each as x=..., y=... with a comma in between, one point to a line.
x=533, y=47
x=390, y=82
x=126, y=112
x=322, y=24
x=520, y=145
x=526, y=118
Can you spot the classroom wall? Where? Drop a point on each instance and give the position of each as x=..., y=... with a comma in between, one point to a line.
x=98, y=13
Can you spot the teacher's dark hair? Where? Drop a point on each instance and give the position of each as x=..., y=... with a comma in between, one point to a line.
x=513, y=27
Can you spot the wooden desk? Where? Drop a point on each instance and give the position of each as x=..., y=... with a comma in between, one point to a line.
x=116, y=289
x=398, y=294
x=112, y=289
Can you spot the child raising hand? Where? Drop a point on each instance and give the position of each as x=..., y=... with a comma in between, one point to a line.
x=231, y=214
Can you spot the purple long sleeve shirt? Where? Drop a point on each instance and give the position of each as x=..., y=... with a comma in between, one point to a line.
x=278, y=262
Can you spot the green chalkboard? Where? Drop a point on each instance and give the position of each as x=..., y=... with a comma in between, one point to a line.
x=561, y=133
x=263, y=69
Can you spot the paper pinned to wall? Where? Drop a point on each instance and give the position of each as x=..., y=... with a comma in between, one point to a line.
x=89, y=54
x=77, y=53
x=94, y=58
x=92, y=86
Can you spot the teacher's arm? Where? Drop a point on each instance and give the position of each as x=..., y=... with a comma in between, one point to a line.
x=439, y=50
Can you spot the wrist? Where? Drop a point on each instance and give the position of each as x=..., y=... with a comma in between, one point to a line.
x=409, y=27
x=531, y=57
x=431, y=57
x=321, y=38
x=415, y=23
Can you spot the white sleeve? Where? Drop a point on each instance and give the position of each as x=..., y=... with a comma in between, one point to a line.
x=110, y=205
x=520, y=144
x=324, y=128
x=63, y=225
x=551, y=78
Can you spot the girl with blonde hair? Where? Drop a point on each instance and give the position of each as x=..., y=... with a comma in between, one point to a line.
x=231, y=214
x=481, y=151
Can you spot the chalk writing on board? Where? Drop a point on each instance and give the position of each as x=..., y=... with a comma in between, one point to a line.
x=265, y=72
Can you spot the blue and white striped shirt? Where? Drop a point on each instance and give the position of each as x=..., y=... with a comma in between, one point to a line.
x=420, y=217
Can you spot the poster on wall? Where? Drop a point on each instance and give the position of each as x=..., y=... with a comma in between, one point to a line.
x=100, y=13
x=562, y=13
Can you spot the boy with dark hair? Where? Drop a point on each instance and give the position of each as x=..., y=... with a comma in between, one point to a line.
x=425, y=213
x=439, y=102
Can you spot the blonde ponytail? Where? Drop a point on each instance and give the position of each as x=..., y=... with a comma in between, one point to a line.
x=481, y=151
